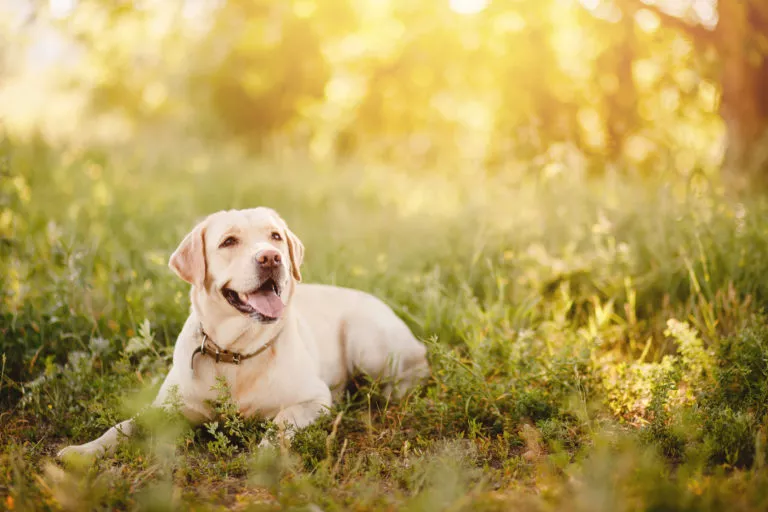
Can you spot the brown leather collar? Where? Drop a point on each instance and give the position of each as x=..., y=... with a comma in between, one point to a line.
x=209, y=348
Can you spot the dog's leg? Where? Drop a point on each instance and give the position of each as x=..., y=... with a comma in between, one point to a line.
x=300, y=415
x=407, y=371
x=387, y=352
x=104, y=445
x=107, y=443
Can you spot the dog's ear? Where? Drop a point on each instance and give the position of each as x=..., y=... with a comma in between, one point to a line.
x=296, y=251
x=188, y=260
x=295, y=247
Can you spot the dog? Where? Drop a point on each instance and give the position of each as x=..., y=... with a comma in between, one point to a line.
x=287, y=350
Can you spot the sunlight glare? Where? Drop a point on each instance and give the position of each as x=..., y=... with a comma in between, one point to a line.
x=468, y=6
x=706, y=10
x=590, y=5
x=61, y=8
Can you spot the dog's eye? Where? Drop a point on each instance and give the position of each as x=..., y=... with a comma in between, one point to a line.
x=276, y=236
x=228, y=242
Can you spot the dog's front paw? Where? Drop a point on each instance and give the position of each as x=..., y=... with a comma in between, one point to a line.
x=88, y=451
x=266, y=443
x=275, y=437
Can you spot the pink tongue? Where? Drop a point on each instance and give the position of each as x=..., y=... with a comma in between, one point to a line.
x=266, y=302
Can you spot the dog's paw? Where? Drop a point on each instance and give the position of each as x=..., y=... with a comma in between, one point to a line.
x=267, y=443
x=88, y=451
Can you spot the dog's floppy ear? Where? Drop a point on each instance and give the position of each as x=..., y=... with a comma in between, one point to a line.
x=296, y=251
x=188, y=260
x=295, y=247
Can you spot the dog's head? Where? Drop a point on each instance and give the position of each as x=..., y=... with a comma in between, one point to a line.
x=241, y=262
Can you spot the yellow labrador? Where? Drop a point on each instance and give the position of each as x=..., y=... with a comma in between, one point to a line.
x=284, y=348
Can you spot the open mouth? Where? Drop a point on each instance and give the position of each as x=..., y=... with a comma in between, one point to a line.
x=263, y=303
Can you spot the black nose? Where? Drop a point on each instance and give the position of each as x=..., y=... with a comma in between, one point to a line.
x=268, y=259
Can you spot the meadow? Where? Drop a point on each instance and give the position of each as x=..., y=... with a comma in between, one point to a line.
x=597, y=344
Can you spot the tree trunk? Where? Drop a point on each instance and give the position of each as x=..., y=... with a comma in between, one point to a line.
x=622, y=102
x=741, y=42
x=740, y=36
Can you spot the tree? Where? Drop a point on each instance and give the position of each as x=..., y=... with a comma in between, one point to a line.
x=740, y=42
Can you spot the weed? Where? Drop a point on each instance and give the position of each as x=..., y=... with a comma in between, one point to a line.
x=594, y=345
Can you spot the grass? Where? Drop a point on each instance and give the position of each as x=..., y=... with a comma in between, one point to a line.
x=595, y=345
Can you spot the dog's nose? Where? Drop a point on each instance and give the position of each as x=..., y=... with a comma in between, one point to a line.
x=268, y=259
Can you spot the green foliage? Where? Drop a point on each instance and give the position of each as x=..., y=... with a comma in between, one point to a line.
x=594, y=346
x=660, y=431
x=734, y=428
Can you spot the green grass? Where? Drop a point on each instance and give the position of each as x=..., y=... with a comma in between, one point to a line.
x=595, y=345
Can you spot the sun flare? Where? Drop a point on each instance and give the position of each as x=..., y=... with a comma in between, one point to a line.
x=468, y=6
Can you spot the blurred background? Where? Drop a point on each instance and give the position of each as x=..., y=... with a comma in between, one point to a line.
x=673, y=87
